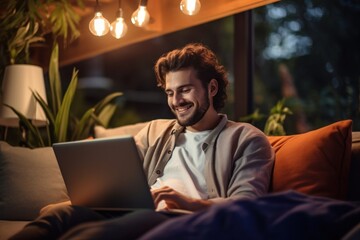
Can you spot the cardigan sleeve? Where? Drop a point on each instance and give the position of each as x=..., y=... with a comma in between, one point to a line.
x=241, y=163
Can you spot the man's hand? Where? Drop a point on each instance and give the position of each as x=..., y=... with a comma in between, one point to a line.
x=53, y=206
x=176, y=200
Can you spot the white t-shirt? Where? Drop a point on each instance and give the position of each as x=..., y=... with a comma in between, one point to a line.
x=185, y=170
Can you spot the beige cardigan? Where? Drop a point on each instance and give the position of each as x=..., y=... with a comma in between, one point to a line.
x=239, y=158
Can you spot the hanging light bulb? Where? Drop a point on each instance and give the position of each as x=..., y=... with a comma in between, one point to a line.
x=99, y=26
x=118, y=28
x=141, y=17
x=190, y=7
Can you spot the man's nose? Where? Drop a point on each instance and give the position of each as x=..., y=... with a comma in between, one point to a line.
x=177, y=99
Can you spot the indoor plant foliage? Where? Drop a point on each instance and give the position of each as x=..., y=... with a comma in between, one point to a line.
x=24, y=23
x=62, y=125
x=274, y=125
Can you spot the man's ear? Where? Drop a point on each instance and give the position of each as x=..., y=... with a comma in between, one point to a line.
x=213, y=87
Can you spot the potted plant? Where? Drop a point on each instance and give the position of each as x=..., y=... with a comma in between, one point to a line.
x=62, y=124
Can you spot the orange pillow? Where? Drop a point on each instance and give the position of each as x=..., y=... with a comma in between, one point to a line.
x=315, y=163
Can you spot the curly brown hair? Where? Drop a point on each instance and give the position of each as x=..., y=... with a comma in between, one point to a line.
x=202, y=60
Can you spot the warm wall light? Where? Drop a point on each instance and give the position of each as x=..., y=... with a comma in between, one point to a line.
x=141, y=17
x=118, y=28
x=19, y=83
x=99, y=26
x=190, y=7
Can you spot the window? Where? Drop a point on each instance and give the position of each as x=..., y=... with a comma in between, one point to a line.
x=308, y=51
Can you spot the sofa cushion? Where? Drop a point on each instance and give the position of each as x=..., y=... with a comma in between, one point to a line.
x=29, y=180
x=316, y=162
x=9, y=228
x=354, y=175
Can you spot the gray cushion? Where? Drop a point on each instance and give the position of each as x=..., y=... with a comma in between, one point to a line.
x=29, y=180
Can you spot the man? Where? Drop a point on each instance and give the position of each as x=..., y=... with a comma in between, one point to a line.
x=191, y=163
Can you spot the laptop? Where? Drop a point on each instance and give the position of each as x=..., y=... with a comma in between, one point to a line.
x=104, y=174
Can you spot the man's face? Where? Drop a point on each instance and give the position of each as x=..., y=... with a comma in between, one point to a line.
x=186, y=96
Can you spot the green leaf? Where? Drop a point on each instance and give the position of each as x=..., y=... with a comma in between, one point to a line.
x=83, y=127
x=103, y=103
x=54, y=80
x=101, y=108
x=64, y=21
x=62, y=118
x=97, y=120
x=50, y=117
x=274, y=125
x=106, y=114
x=25, y=35
x=45, y=107
x=29, y=126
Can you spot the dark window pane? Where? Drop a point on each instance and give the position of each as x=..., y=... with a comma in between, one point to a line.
x=308, y=51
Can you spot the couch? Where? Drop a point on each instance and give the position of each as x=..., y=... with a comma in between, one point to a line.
x=324, y=162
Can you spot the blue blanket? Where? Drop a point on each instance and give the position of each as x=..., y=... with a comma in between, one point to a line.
x=287, y=215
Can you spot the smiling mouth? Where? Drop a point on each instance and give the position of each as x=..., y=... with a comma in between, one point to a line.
x=183, y=109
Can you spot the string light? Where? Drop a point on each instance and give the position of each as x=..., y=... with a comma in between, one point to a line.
x=190, y=7
x=118, y=28
x=99, y=26
x=141, y=16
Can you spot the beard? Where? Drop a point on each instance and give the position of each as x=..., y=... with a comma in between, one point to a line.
x=195, y=116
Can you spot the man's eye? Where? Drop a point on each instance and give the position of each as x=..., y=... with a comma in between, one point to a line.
x=186, y=90
x=169, y=94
